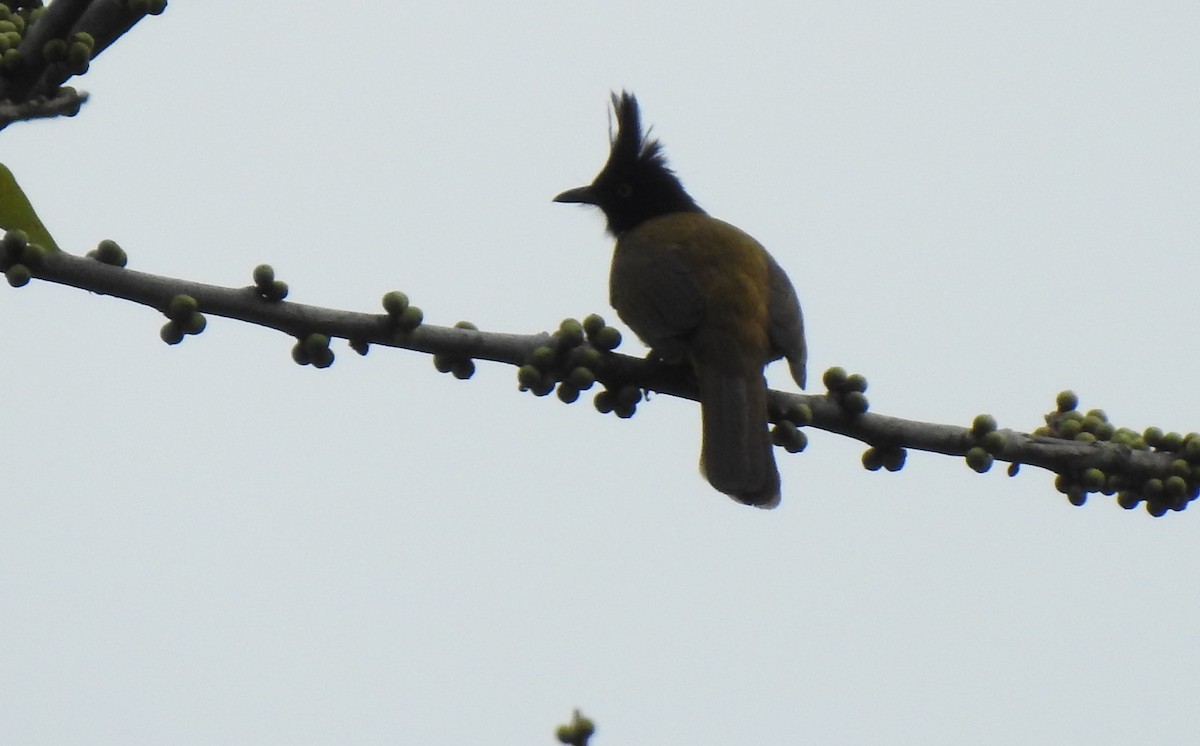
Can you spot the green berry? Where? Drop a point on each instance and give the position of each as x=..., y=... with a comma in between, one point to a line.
x=171, y=333
x=801, y=414
x=1175, y=487
x=1172, y=442
x=410, y=319
x=584, y=727
x=395, y=303
x=78, y=57
x=323, y=358
x=982, y=425
x=18, y=275
x=607, y=338
x=157, y=7
x=567, y=393
x=109, y=252
x=1181, y=468
x=856, y=382
x=993, y=442
x=529, y=377
x=15, y=241
x=894, y=458
x=1013, y=468
x=542, y=358
x=628, y=395
x=872, y=459
x=264, y=275
x=1077, y=495
x=782, y=432
x=1128, y=499
x=299, y=354
x=1085, y=438
x=1092, y=479
x=1191, y=449
x=463, y=368
x=979, y=459
x=587, y=357
x=593, y=324
x=1067, y=401
x=604, y=401
x=465, y=325
x=1153, y=489
x=443, y=363
x=797, y=442
x=84, y=38
x=1124, y=436
x=1153, y=436
x=360, y=346
x=314, y=343
x=276, y=292
x=854, y=402
x=570, y=331
x=194, y=324
x=182, y=307
x=1068, y=429
x=835, y=378
x=581, y=378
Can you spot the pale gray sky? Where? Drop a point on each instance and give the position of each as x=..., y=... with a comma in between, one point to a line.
x=979, y=207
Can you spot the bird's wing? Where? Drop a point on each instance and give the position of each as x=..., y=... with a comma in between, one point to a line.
x=787, y=322
x=654, y=290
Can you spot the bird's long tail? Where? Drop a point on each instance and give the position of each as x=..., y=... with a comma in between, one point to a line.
x=737, y=456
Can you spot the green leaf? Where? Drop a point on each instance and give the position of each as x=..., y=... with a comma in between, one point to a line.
x=17, y=214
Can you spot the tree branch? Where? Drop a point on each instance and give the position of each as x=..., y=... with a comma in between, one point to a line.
x=1088, y=454
x=55, y=43
x=65, y=102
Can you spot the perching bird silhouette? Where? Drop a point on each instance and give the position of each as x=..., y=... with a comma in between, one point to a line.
x=699, y=290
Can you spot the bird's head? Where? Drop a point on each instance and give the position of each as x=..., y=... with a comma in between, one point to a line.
x=636, y=184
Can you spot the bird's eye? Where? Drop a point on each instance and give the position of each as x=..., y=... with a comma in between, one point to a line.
x=624, y=190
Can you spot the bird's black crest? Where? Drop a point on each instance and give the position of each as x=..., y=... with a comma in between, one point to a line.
x=635, y=184
x=631, y=145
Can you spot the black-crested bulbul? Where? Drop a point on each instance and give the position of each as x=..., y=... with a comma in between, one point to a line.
x=699, y=290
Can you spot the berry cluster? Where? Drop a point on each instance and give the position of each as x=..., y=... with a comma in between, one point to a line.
x=19, y=257
x=568, y=364
x=1173, y=489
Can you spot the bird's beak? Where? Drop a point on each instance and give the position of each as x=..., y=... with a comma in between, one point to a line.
x=581, y=195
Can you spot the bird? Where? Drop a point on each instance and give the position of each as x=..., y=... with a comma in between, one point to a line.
x=701, y=292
